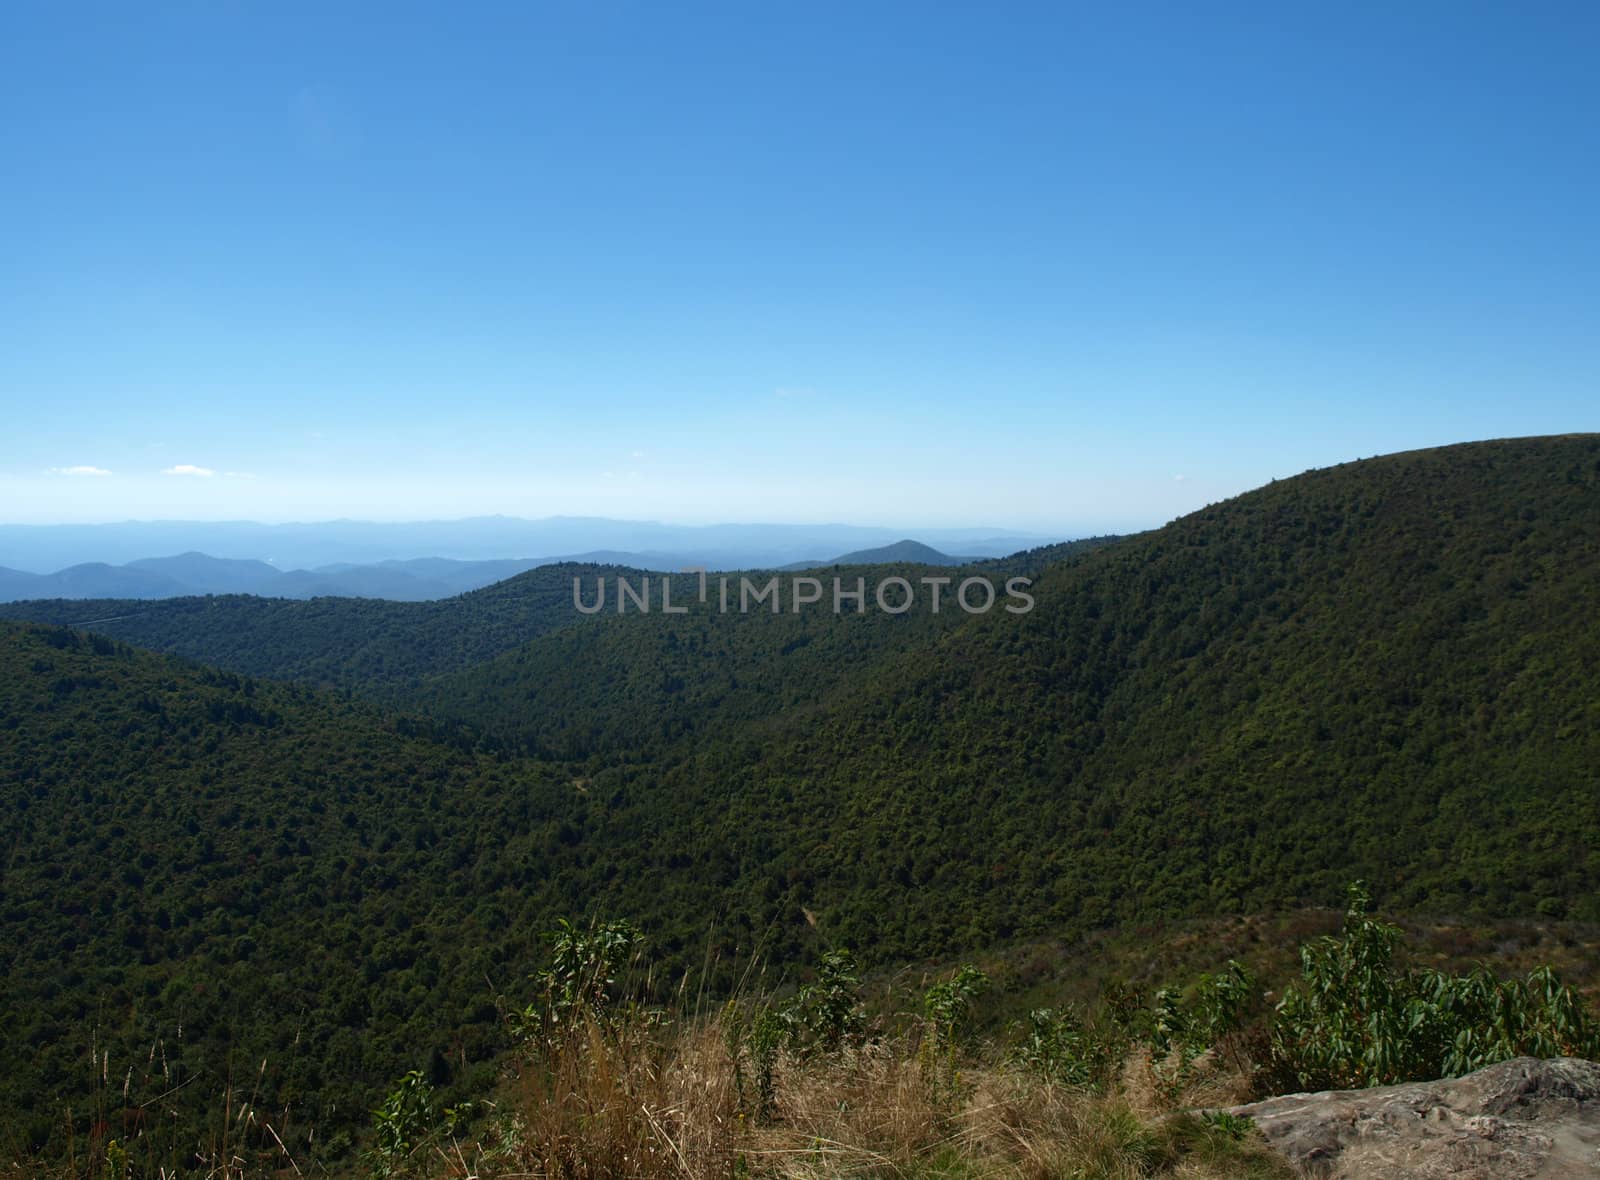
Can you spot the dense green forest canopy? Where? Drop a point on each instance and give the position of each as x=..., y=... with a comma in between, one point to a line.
x=240, y=871
x=386, y=650
x=376, y=646
x=1388, y=669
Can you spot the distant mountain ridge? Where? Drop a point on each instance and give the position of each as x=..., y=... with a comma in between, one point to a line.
x=421, y=579
x=194, y=573
x=418, y=579
x=315, y=545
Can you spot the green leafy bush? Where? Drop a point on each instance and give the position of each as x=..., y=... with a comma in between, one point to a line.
x=582, y=974
x=1356, y=1019
x=948, y=1005
x=1059, y=1047
x=408, y=1121
x=827, y=1012
x=947, y=1015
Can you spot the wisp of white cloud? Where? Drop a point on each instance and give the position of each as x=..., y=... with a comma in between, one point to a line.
x=81, y=469
x=188, y=469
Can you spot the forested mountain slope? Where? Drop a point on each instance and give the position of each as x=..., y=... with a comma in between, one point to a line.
x=388, y=650
x=379, y=647
x=638, y=685
x=633, y=685
x=1032, y=562
x=1388, y=669
x=515, y=659
x=225, y=871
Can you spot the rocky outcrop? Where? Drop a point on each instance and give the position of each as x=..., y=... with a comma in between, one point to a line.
x=1523, y=1119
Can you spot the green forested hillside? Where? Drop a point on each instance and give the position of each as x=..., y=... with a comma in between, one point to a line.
x=512, y=661
x=644, y=685
x=1389, y=669
x=1032, y=562
x=633, y=686
x=213, y=872
x=379, y=647
x=396, y=652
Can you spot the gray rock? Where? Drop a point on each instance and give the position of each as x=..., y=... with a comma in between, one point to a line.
x=1523, y=1119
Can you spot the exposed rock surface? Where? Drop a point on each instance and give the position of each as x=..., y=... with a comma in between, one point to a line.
x=1524, y=1119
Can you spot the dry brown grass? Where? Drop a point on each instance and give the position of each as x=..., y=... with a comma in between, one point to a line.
x=633, y=1098
x=625, y=1100
x=657, y=1104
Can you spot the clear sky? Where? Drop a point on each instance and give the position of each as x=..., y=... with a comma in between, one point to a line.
x=1056, y=266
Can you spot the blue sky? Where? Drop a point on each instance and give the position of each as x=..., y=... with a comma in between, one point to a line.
x=1053, y=266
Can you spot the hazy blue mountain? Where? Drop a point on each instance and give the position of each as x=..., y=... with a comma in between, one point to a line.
x=16, y=585
x=456, y=575
x=197, y=574
x=420, y=579
x=190, y=574
x=310, y=546
x=186, y=574
x=901, y=552
x=205, y=574
x=94, y=579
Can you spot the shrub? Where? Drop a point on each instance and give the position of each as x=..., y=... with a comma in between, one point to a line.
x=1055, y=1045
x=947, y=1015
x=826, y=1013
x=1357, y=1020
